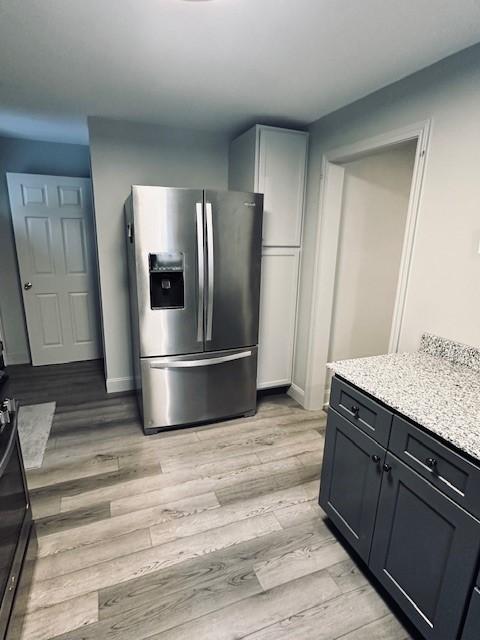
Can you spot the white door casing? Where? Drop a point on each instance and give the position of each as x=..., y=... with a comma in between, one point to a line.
x=53, y=227
x=326, y=248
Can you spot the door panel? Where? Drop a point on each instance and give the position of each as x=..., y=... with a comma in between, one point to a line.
x=74, y=245
x=351, y=479
x=49, y=317
x=424, y=551
x=38, y=238
x=278, y=307
x=165, y=226
x=186, y=390
x=233, y=271
x=281, y=177
x=52, y=220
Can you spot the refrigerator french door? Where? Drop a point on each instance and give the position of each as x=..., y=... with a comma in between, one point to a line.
x=194, y=263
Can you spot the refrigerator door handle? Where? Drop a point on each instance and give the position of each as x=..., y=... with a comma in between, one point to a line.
x=211, y=267
x=201, y=271
x=169, y=363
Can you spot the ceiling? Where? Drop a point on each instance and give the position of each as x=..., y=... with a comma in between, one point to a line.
x=217, y=65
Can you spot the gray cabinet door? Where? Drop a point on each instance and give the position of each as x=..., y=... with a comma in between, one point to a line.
x=471, y=630
x=424, y=551
x=351, y=478
x=234, y=241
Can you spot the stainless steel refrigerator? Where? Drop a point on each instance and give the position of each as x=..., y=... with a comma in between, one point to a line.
x=194, y=270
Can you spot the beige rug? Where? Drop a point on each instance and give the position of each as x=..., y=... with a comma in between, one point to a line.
x=34, y=424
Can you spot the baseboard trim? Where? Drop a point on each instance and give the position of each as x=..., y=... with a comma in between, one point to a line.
x=116, y=385
x=20, y=357
x=272, y=384
x=297, y=394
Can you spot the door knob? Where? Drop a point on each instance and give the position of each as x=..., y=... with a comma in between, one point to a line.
x=355, y=410
x=27, y=286
x=387, y=468
x=431, y=462
x=376, y=458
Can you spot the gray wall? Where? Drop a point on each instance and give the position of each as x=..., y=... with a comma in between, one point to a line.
x=444, y=288
x=122, y=154
x=26, y=156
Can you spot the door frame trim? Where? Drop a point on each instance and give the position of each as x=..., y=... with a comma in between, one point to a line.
x=326, y=248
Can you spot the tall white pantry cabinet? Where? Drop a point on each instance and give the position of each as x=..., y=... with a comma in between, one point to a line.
x=273, y=161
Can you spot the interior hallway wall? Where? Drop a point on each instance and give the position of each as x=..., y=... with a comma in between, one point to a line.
x=26, y=156
x=126, y=153
x=374, y=211
x=444, y=289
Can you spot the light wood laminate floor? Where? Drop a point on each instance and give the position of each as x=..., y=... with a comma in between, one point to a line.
x=212, y=533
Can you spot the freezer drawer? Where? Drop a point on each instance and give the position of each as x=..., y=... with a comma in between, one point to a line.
x=186, y=390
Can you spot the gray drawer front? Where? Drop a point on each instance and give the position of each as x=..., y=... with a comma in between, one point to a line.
x=471, y=630
x=447, y=470
x=362, y=411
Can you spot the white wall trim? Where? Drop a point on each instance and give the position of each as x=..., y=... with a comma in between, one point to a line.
x=116, y=385
x=326, y=243
x=296, y=393
x=19, y=357
x=272, y=384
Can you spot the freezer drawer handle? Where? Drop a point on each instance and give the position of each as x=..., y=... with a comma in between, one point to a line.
x=211, y=267
x=205, y=362
x=201, y=270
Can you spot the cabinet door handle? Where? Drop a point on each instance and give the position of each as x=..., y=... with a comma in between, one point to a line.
x=376, y=458
x=431, y=463
x=355, y=411
x=387, y=468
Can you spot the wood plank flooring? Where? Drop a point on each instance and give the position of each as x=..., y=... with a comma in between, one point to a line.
x=211, y=532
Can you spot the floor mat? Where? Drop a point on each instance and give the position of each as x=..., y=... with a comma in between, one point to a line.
x=34, y=424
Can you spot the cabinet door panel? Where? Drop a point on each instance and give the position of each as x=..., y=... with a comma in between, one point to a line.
x=278, y=307
x=351, y=479
x=281, y=177
x=471, y=631
x=424, y=551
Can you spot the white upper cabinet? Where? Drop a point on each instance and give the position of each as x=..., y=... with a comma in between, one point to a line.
x=272, y=161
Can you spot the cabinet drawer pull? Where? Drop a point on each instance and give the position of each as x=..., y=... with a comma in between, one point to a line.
x=376, y=458
x=387, y=468
x=355, y=410
x=431, y=463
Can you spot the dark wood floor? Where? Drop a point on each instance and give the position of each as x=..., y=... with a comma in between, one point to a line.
x=207, y=533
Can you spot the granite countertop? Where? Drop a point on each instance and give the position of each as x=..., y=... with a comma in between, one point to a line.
x=438, y=387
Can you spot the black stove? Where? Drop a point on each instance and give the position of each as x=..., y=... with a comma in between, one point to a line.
x=15, y=516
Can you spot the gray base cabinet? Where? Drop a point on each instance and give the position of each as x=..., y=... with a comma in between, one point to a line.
x=351, y=481
x=424, y=551
x=471, y=630
x=422, y=544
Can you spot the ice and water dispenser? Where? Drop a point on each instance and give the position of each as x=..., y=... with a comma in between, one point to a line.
x=166, y=280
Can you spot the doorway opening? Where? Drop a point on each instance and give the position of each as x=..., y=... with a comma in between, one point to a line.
x=362, y=262
x=376, y=193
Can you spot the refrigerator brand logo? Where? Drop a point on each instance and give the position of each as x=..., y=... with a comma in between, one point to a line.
x=249, y=204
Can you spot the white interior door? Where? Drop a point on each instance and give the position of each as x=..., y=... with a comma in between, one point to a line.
x=53, y=226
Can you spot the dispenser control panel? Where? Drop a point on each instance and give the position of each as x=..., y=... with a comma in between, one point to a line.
x=167, y=288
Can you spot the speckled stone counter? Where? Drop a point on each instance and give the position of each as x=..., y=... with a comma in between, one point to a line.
x=438, y=387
